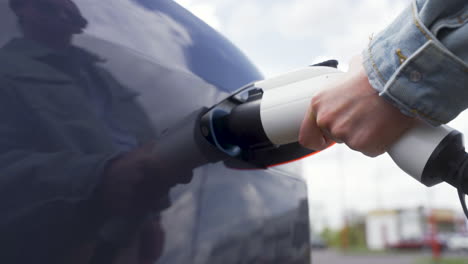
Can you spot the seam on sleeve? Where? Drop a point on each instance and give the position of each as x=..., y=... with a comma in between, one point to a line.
x=416, y=112
x=401, y=57
x=412, y=107
x=410, y=110
x=418, y=24
x=374, y=65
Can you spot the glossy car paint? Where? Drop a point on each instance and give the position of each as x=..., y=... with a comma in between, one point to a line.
x=176, y=64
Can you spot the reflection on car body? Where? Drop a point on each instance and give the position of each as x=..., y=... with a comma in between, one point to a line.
x=133, y=69
x=274, y=240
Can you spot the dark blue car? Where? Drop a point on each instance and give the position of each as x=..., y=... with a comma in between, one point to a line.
x=164, y=64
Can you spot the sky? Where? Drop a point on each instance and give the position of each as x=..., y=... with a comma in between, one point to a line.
x=282, y=35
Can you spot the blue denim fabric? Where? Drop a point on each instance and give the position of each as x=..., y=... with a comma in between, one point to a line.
x=420, y=62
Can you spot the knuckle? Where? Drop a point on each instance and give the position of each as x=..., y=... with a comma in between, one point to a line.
x=370, y=154
x=340, y=132
x=316, y=103
x=315, y=107
x=366, y=146
x=357, y=144
x=373, y=153
x=324, y=120
x=322, y=123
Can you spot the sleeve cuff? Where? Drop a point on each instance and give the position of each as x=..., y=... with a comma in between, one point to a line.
x=409, y=67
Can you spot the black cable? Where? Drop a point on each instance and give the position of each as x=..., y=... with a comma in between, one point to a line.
x=462, y=179
x=461, y=195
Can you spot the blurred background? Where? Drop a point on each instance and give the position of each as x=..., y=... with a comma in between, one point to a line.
x=357, y=204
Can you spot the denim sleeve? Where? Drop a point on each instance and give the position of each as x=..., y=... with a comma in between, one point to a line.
x=420, y=62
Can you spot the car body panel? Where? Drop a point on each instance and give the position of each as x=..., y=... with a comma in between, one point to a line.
x=176, y=64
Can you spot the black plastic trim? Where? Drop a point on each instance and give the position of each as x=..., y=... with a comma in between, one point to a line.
x=243, y=126
x=445, y=161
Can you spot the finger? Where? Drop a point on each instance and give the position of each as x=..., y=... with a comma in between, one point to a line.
x=328, y=135
x=374, y=151
x=366, y=141
x=310, y=135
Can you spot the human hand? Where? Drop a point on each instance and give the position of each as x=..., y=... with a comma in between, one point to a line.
x=350, y=111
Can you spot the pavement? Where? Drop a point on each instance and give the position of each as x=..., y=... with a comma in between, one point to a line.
x=334, y=257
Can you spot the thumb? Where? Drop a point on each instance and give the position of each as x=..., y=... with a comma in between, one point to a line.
x=310, y=135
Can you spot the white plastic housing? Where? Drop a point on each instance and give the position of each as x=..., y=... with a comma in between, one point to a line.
x=412, y=151
x=286, y=99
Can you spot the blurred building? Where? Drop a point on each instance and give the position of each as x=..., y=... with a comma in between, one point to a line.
x=411, y=228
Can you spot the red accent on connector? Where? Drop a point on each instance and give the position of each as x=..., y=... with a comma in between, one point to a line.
x=306, y=156
x=286, y=162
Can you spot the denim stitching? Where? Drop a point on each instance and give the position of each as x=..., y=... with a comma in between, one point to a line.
x=414, y=111
x=401, y=56
x=374, y=65
x=418, y=25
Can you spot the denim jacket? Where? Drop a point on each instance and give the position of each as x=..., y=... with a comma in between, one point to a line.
x=420, y=62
